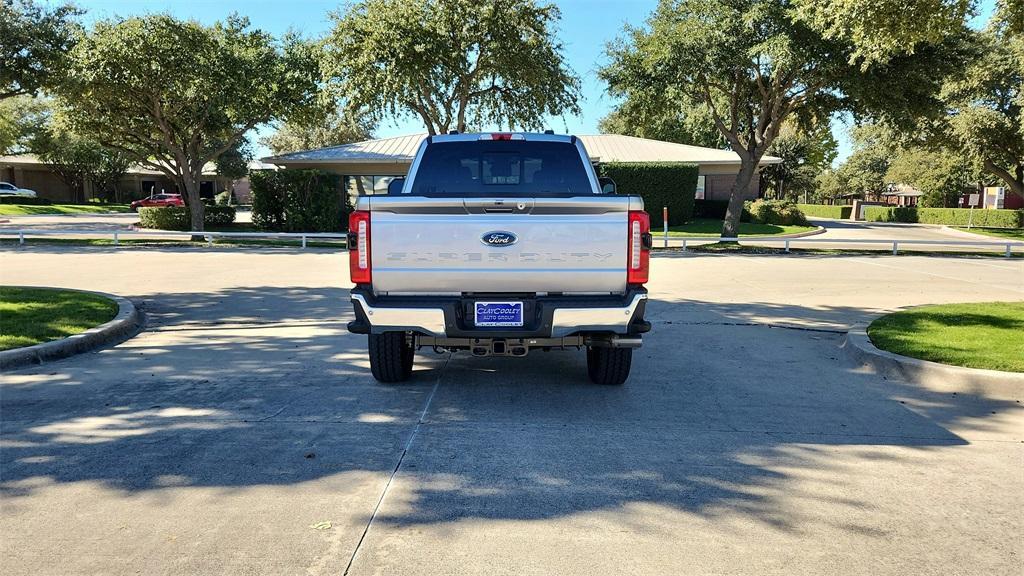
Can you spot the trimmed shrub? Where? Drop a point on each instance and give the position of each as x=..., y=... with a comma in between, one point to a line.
x=983, y=218
x=219, y=215
x=25, y=201
x=778, y=212
x=660, y=184
x=225, y=198
x=826, y=211
x=298, y=201
x=179, y=218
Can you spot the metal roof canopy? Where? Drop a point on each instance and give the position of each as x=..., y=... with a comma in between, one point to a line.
x=601, y=147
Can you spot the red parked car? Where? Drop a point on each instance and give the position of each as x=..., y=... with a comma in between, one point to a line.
x=158, y=200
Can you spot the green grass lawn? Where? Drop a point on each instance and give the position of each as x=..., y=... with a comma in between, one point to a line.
x=712, y=227
x=1008, y=233
x=31, y=210
x=988, y=335
x=34, y=315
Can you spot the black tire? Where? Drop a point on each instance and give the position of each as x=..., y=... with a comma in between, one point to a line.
x=609, y=366
x=390, y=357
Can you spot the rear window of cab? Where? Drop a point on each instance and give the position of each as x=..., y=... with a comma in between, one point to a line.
x=507, y=168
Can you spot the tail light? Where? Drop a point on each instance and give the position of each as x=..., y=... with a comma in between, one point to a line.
x=359, y=265
x=640, y=241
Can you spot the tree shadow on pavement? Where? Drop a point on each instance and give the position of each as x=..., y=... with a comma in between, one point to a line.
x=264, y=386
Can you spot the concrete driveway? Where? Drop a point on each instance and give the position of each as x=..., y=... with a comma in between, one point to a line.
x=744, y=443
x=888, y=231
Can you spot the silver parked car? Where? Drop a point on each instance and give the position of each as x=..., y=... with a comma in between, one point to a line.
x=8, y=189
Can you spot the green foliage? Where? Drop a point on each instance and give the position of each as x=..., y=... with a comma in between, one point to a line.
x=176, y=94
x=804, y=154
x=662, y=115
x=298, y=201
x=660, y=184
x=985, y=103
x=454, y=64
x=778, y=212
x=77, y=160
x=754, y=65
x=890, y=214
x=939, y=175
x=34, y=42
x=882, y=29
x=21, y=119
x=947, y=216
x=865, y=170
x=830, y=185
x=826, y=211
x=225, y=198
x=330, y=129
x=233, y=163
x=179, y=218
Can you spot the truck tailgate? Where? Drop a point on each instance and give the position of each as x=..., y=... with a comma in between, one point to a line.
x=430, y=245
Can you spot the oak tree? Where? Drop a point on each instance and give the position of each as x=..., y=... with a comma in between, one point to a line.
x=454, y=64
x=174, y=94
x=755, y=65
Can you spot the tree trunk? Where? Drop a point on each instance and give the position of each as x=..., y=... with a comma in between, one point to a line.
x=195, y=203
x=1014, y=180
x=731, y=224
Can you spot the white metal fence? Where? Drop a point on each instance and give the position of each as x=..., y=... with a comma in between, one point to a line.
x=117, y=235
x=684, y=242
x=1005, y=246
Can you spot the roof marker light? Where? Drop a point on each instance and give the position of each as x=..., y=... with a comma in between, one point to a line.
x=502, y=136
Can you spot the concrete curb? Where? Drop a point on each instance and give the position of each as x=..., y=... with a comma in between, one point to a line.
x=815, y=232
x=858, y=347
x=124, y=325
x=973, y=236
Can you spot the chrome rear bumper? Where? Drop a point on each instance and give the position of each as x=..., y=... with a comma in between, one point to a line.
x=555, y=317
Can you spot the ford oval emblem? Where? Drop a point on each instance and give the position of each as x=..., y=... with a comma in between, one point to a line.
x=499, y=238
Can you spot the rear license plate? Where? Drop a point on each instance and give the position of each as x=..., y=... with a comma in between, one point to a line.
x=498, y=314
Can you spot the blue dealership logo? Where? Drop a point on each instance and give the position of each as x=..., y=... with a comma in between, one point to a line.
x=499, y=238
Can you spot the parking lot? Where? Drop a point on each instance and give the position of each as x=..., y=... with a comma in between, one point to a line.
x=241, y=432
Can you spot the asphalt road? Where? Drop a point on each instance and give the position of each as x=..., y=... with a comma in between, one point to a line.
x=743, y=443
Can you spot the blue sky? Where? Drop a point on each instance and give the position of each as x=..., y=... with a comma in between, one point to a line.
x=585, y=28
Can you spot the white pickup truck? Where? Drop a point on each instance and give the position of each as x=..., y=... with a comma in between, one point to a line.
x=500, y=244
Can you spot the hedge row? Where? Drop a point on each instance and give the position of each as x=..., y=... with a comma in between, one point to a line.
x=825, y=211
x=25, y=201
x=298, y=201
x=948, y=216
x=179, y=218
x=660, y=184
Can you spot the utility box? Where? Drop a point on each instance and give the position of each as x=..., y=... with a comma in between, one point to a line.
x=995, y=197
